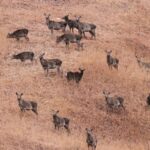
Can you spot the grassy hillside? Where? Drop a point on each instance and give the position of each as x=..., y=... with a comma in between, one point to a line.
x=123, y=26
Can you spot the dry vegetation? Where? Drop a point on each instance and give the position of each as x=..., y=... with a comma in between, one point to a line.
x=122, y=26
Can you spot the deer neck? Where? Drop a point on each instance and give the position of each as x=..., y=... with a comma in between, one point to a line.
x=108, y=56
x=19, y=100
x=66, y=19
x=106, y=98
x=81, y=73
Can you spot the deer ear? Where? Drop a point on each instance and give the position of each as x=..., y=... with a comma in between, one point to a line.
x=21, y=94
x=42, y=54
x=16, y=93
x=104, y=92
x=57, y=111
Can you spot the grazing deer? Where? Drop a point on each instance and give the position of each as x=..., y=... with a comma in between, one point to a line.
x=53, y=25
x=148, y=100
x=26, y=105
x=145, y=65
x=24, y=56
x=70, y=38
x=91, y=139
x=111, y=61
x=76, y=76
x=50, y=63
x=85, y=27
x=71, y=23
x=114, y=102
x=60, y=121
x=18, y=34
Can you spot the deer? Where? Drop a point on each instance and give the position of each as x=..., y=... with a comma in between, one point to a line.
x=76, y=76
x=26, y=105
x=53, y=25
x=148, y=100
x=91, y=139
x=145, y=65
x=112, y=61
x=60, y=121
x=23, y=56
x=19, y=34
x=50, y=63
x=114, y=102
x=70, y=38
x=71, y=23
x=85, y=27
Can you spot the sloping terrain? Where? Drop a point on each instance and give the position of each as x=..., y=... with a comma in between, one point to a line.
x=123, y=26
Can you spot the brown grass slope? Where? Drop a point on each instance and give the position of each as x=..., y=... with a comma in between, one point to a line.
x=123, y=26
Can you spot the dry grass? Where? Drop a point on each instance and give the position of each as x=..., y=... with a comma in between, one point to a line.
x=122, y=26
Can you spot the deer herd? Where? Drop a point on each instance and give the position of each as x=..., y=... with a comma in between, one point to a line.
x=112, y=102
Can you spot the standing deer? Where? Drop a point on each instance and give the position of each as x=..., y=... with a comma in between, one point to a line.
x=71, y=23
x=70, y=38
x=26, y=105
x=145, y=65
x=85, y=27
x=113, y=102
x=53, y=25
x=19, y=34
x=50, y=63
x=60, y=121
x=111, y=61
x=148, y=100
x=91, y=139
x=76, y=76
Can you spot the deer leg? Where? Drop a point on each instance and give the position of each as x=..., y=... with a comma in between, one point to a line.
x=84, y=34
x=81, y=45
x=17, y=38
x=117, y=67
x=46, y=72
x=33, y=59
x=67, y=44
x=35, y=111
x=63, y=29
x=51, y=31
x=93, y=34
x=55, y=126
x=72, y=30
x=110, y=67
x=67, y=128
x=123, y=107
x=78, y=45
x=26, y=38
x=58, y=70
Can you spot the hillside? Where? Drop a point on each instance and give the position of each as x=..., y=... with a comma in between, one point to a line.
x=123, y=26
